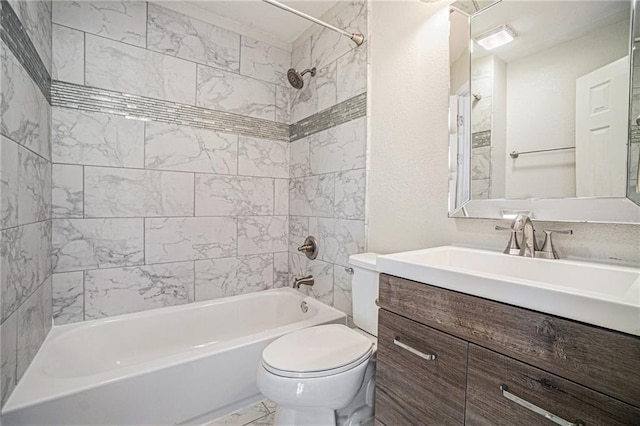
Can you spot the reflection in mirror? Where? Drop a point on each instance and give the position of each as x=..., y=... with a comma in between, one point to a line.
x=549, y=109
x=540, y=105
x=633, y=190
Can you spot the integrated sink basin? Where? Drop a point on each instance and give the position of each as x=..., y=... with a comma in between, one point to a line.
x=594, y=293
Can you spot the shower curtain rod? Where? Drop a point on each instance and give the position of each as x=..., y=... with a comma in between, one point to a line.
x=357, y=38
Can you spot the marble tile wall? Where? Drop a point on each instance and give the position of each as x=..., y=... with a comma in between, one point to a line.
x=25, y=186
x=327, y=168
x=152, y=212
x=151, y=208
x=482, y=89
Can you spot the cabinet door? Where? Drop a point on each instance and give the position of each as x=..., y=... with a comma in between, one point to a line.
x=503, y=391
x=421, y=374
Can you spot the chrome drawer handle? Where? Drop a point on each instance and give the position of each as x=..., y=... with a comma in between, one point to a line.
x=544, y=413
x=428, y=357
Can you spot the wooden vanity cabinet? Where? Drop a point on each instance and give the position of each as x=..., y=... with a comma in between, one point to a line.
x=581, y=373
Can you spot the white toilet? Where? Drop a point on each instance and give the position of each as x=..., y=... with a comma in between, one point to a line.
x=325, y=375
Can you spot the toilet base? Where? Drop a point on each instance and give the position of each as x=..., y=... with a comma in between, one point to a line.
x=305, y=416
x=359, y=412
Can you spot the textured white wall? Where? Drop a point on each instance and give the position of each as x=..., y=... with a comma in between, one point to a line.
x=499, y=128
x=407, y=190
x=409, y=76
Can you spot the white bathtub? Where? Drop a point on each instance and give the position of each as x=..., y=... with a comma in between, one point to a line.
x=179, y=365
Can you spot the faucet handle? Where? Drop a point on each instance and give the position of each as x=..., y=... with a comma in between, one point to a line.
x=548, y=251
x=309, y=247
x=512, y=246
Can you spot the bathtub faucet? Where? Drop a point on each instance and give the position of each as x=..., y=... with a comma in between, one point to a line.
x=308, y=280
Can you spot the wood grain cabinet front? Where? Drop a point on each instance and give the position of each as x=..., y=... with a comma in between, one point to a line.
x=448, y=358
x=503, y=391
x=603, y=360
x=421, y=374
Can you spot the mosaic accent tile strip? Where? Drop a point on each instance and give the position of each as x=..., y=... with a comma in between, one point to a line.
x=15, y=37
x=635, y=134
x=479, y=139
x=343, y=112
x=86, y=98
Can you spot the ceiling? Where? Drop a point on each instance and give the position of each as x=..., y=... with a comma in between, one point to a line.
x=542, y=24
x=254, y=18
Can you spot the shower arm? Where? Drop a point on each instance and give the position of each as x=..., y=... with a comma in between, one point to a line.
x=357, y=38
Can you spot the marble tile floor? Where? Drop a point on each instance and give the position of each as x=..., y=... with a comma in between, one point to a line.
x=259, y=414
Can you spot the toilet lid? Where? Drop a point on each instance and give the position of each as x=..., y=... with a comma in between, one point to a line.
x=317, y=351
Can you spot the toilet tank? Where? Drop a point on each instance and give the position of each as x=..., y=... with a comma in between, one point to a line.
x=364, y=291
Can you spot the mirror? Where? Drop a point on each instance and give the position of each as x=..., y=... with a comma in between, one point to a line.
x=541, y=113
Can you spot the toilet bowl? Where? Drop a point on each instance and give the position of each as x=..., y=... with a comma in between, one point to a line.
x=325, y=375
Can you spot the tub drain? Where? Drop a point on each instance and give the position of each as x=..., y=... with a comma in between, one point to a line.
x=304, y=307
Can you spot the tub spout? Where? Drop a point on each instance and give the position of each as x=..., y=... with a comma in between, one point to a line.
x=308, y=280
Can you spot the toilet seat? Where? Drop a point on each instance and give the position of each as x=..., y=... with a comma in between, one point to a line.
x=317, y=352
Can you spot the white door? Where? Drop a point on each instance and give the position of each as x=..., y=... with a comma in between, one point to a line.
x=602, y=116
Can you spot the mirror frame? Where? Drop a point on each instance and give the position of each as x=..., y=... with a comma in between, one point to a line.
x=585, y=209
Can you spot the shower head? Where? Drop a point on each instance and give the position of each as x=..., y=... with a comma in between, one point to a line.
x=295, y=77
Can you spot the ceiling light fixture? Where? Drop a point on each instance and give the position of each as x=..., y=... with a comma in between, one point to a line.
x=496, y=37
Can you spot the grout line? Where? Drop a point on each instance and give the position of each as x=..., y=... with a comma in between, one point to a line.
x=195, y=297
x=144, y=146
x=84, y=296
x=40, y=284
x=184, y=172
x=238, y=155
x=84, y=63
x=25, y=147
x=146, y=26
x=195, y=100
x=171, y=262
x=252, y=422
x=59, y=219
x=144, y=240
x=25, y=224
x=240, y=36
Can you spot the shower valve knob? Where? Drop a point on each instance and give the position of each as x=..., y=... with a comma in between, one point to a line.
x=309, y=247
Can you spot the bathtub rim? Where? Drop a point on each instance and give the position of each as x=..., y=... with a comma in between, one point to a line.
x=17, y=401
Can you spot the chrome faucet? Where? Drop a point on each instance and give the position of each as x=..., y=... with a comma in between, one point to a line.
x=308, y=280
x=529, y=245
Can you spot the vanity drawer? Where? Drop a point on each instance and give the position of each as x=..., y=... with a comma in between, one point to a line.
x=487, y=405
x=410, y=389
x=604, y=360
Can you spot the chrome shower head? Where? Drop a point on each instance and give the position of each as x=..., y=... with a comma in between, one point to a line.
x=295, y=77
